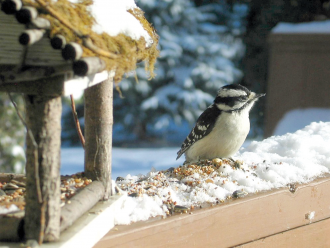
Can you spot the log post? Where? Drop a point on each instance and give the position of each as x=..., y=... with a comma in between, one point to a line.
x=98, y=133
x=42, y=212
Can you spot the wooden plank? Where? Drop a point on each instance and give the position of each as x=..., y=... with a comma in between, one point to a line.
x=42, y=53
x=230, y=224
x=51, y=86
x=314, y=235
x=15, y=75
x=7, y=177
x=87, y=230
x=297, y=63
x=39, y=54
x=10, y=50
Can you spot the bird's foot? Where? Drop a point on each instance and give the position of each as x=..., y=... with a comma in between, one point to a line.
x=237, y=164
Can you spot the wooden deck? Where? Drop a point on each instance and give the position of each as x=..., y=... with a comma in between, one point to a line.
x=270, y=219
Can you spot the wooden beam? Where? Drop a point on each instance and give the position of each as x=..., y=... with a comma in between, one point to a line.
x=98, y=133
x=58, y=42
x=34, y=73
x=88, y=66
x=11, y=6
x=26, y=14
x=40, y=23
x=42, y=211
x=50, y=87
x=31, y=36
x=81, y=203
x=34, y=81
x=231, y=224
x=72, y=51
x=7, y=177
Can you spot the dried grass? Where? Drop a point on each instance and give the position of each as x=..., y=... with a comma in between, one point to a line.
x=128, y=51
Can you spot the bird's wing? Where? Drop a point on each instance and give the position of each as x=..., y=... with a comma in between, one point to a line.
x=203, y=127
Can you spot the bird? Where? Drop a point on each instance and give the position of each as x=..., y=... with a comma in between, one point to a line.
x=223, y=127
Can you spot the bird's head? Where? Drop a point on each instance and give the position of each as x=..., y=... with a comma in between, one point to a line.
x=235, y=97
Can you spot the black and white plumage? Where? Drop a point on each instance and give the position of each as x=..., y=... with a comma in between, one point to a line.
x=222, y=128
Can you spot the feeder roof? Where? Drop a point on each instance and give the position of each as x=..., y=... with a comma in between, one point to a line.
x=115, y=32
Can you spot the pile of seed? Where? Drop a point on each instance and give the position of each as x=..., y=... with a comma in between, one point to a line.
x=71, y=185
x=188, y=177
x=13, y=192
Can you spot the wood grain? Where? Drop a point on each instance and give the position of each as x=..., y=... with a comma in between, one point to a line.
x=231, y=224
x=81, y=203
x=98, y=133
x=42, y=211
x=314, y=235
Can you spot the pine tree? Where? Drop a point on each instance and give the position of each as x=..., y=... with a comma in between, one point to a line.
x=199, y=53
x=12, y=135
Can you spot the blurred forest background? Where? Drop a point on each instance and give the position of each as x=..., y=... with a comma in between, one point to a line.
x=204, y=45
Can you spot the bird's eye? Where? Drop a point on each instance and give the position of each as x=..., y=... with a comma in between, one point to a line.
x=243, y=98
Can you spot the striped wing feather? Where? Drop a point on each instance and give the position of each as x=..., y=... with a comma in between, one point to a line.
x=203, y=127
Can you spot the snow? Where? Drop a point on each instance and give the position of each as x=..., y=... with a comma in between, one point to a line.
x=296, y=119
x=307, y=27
x=275, y=162
x=310, y=216
x=272, y=163
x=10, y=209
x=112, y=17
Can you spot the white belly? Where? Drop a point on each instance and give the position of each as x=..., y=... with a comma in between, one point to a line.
x=227, y=136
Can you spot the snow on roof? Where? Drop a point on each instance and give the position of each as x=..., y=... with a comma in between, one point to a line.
x=306, y=27
x=112, y=17
x=272, y=163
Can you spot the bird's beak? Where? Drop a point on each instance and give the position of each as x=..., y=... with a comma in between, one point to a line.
x=259, y=95
x=253, y=96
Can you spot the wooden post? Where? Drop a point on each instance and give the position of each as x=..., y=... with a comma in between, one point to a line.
x=42, y=212
x=98, y=133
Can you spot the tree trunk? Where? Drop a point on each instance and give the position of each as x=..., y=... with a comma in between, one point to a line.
x=98, y=133
x=42, y=212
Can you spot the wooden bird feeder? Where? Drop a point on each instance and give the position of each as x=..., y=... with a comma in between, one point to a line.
x=43, y=69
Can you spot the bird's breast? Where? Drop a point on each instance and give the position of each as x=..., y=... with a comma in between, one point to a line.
x=225, y=139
